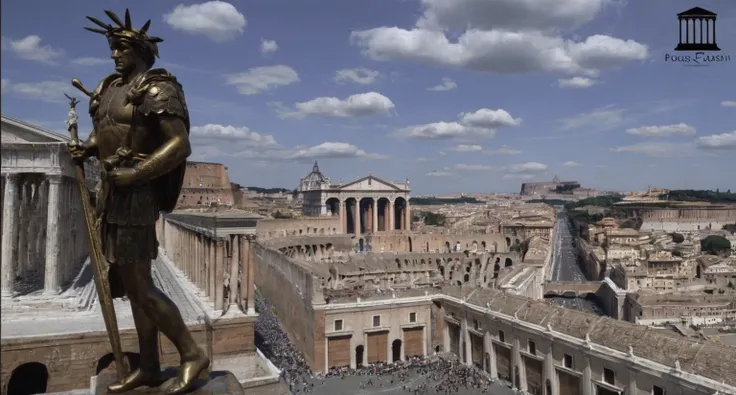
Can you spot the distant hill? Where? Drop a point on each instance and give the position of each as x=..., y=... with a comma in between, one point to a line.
x=441, y=201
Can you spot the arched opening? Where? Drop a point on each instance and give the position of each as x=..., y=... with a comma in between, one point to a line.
x=333, y=206
x=410, y=246
x=508, y=262
x=28, y=378
x=351, y=208
x=366, y=215
x=437, y=348
x=447, y=247
x=383, y=216
x=698, y=273
x=360, y=244
x=359, y=356
x=427, y=246
x=508, y=242
x=496, y=269
x=483, y=245
x=466, y=278
x=399, y=214
x=396, y=350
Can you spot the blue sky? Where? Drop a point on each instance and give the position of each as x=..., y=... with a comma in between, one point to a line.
x=456, y=95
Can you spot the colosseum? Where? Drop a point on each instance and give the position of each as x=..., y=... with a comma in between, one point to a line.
x=349, y=297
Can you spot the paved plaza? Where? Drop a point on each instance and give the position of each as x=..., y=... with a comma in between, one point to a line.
x=351, y=385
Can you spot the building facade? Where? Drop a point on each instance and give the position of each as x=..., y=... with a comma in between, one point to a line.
x=366, y=205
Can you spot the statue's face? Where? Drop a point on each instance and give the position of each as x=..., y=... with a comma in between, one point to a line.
x=125, y=57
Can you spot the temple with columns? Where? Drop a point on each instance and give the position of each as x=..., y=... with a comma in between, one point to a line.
x=367, y=205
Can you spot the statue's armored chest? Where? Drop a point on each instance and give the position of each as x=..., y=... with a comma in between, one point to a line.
x=114, y=108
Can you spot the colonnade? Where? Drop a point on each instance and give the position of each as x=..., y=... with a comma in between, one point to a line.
x=222, y=267
x=44, y=237
x=371, y=214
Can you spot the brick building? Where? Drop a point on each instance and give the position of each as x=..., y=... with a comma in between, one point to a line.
x=205, y=184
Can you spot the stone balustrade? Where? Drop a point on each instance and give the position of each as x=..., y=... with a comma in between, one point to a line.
x=219, y=265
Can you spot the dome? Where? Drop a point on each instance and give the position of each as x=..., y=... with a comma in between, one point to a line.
x=314, y=179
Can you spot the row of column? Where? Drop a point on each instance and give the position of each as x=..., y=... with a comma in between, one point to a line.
x=222, y=267
x=43, y=231
x=518, y=365
x=371, y=217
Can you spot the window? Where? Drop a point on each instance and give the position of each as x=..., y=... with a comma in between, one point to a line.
x=338, y=325
x=412, y=317
x=609, y=376
x=501, y=337
x=376, y=321
x=657, y=390
x=532, y=348
x=567, y=361
x=476, y=325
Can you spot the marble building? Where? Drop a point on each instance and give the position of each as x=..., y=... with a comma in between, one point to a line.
x=40, y=198
x=367, y=205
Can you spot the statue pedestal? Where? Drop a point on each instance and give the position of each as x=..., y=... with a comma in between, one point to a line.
x=216, y=383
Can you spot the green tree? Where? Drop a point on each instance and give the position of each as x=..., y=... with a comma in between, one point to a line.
x=678, y=238
x=715, y=245
x=279, y=215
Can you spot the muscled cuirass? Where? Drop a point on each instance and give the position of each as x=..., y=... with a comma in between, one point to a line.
x=117, y=126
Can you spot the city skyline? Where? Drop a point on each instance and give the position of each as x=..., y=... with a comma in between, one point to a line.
x=379, y=89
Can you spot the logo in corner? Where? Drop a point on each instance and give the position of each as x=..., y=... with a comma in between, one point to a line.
x=697, y=33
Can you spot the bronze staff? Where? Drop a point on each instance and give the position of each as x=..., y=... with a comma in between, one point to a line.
x=99, y=264
x=141, y=137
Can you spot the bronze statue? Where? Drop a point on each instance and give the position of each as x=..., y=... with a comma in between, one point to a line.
x=141, y=137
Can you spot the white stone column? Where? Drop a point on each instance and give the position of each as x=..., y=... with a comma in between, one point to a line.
x=518, y=365
x=586, y=383
x=10, y=232
x=374, y=227
x=343, y=217
x=548, y=372
x=234, y=269
x=632, y=387
x=391, y=210
x=356, y=217
x=467, y=343
x=407, y=216
x=445, y=336
x=51, y=284
x=493, y=369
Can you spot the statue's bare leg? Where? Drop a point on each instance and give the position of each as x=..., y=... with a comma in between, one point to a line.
x=165, y=316
x=149, y=369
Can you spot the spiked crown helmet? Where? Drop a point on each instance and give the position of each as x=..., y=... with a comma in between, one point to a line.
x=124, y=31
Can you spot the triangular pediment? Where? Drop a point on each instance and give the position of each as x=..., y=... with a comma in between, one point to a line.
x=697, y=11
x=370, y=183
x=17, y=131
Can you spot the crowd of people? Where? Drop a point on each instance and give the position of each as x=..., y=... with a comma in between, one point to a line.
x=417, y=376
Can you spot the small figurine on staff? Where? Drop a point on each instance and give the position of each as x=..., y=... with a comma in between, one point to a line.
x=71, y=122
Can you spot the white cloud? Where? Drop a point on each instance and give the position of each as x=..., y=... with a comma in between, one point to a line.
x=723, y=141
x=261, y=79
x=481, y=124
x=424, y=159
x=507, y=14
x=435, y=173
x=728, y=103
x=91, y=61
x=520, y=170
x=230, y=133
x=576, y=82
x=600, y=119
x=30, y=48
x=679, y=129
x=499, y=51
x=6, y=84
x=216, y=20
x=446, y=85
x=47, y=91
x=358, y=75
x=571, y=164
x=504, y=150
x=268, y=46
x=336, y=150
x=360, y=105
x=467, y=148
x=464, y=167
x=656, y=149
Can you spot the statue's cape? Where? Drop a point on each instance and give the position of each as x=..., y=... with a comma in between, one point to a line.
x=155, y=92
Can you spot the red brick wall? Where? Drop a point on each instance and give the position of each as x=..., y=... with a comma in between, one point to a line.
x=72, y=359
x=207, y=182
